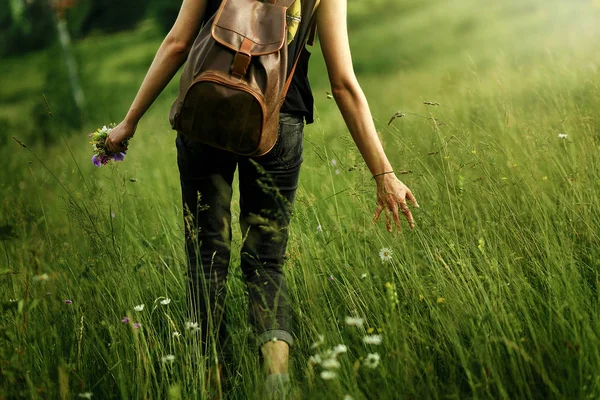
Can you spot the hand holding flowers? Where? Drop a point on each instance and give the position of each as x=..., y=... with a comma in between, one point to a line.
x=110, y=143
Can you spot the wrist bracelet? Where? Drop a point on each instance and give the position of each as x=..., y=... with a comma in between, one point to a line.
x=382, y=173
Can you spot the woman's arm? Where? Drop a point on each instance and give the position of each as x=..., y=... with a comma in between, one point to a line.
x=171, y=54
x=333, y=37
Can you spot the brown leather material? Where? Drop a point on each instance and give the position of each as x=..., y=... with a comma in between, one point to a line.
x=235, y=79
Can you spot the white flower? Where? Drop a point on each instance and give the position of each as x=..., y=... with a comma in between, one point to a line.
x=330, y=363
x=328, y=375
x=316, y=359
x=41, y=278
x=165, y=301
x=337, y=171
x=86, y=395
x=191, y=325
x=339, y=349
x=352, y=321
x=334, y=162
x=364, y=275
x=563, y=136
x=372, y=339
x=320, y=341
x=139, y=307
x=372, y=360
x=385, y=254
x=176, y=334
x=169, y=358
x=319, y=228
x=348, y=397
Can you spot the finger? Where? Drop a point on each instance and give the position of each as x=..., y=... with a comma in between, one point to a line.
x=377, y=213
x=407, y=214
x=396, y=215
x=388, y=219
x=412, y=198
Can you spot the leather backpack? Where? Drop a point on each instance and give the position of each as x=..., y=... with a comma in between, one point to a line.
x=236, y=77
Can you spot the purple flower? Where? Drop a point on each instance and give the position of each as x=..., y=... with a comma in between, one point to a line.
x=118, y=156
x=68, y=301
x=125, y=320
x=137, y=325
x=96, y=160
x=104, y=159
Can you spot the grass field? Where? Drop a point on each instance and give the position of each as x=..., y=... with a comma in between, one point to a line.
x=495, y=294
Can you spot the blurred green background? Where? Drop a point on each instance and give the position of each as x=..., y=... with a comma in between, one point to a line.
x=493, y=295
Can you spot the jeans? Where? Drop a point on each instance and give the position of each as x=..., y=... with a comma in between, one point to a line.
x=267, y=187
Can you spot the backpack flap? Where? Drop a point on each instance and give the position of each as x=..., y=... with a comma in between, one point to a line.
x=250, y=28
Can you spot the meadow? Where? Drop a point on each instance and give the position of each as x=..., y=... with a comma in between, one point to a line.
x=494, y=294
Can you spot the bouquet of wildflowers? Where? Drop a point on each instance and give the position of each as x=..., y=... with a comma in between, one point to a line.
x=102, y=155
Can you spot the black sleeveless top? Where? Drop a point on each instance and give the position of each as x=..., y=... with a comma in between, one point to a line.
x=299, y=98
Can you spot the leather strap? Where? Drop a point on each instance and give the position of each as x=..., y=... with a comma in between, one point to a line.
x=242, y=58
x=288, y=82
x=282, y=3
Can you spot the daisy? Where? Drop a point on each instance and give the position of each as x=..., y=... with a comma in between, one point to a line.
x=191, y=325
x=331, y=363
x=41, y=278
x=139, y=307
x=176, y=334
x=372, y=339
x=339, y=349
x=372, y=360
x=563, y=136
x=385, y=254
x=168, y=358
x=320, y=341
x=165, y=301
x=352, y=321
x=328, y=375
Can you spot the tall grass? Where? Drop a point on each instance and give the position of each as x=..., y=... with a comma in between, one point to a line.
x=493, y=295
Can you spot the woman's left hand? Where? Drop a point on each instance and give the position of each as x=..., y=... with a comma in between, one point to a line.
x=391, y=195
x=117, y=135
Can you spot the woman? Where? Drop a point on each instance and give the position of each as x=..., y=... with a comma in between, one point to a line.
x=267, y=183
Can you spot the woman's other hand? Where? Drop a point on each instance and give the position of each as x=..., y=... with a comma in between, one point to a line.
x=392, y=196
x=118, y=134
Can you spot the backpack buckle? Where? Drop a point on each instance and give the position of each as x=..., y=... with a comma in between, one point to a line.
x=242, y=58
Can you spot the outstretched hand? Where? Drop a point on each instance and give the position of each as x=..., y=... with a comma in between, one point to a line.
x=391, y=197
x=118, y=135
